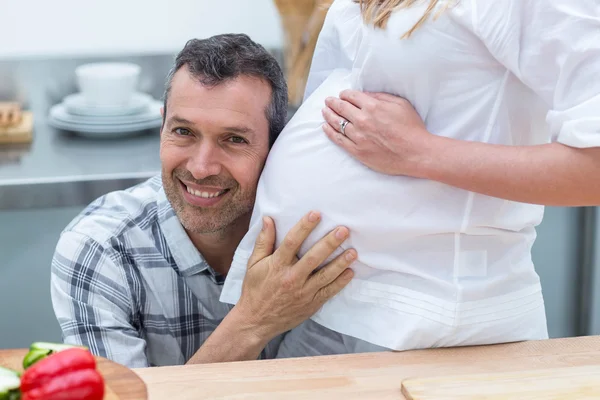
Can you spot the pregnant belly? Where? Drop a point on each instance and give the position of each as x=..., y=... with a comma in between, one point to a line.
x=388, y=216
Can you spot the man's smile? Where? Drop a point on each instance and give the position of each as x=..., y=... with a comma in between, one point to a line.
x=203, y=196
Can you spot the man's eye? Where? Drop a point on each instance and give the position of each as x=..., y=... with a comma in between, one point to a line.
x=237, y=140
x=182, y=131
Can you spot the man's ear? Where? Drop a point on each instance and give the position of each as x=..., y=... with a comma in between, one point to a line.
x=162, y=114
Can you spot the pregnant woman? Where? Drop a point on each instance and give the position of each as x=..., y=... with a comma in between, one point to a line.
x=436, y=131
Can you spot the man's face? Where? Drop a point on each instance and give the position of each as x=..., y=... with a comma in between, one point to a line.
x=213, y=146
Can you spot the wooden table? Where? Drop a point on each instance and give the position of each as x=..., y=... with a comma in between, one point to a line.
x=358, y=376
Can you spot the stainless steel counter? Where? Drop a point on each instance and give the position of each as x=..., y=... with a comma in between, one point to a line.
x=61, y=169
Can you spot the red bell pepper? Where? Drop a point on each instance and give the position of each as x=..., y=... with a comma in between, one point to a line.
x=69, y=374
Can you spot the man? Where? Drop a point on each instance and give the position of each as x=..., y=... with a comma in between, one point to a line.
x=137, y=276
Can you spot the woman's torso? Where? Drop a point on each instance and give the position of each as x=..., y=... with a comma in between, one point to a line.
x=452, y=257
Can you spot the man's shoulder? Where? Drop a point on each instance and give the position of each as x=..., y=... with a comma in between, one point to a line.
x=117, y=213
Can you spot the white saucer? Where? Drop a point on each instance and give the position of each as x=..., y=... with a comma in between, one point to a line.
x=76, y=104
x=100, y=133
x=149, y=113
x=105, y=127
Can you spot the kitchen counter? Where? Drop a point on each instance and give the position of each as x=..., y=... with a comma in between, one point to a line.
x=61, y=169
x=360, y=376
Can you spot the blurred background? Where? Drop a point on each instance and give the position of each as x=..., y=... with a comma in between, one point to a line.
x=70, y=27
x=59, y=159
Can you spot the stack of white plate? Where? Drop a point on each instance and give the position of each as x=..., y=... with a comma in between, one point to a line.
x=107, y=105
x=74, y=114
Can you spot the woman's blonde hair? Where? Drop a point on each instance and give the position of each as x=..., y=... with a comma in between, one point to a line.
x=378, y=12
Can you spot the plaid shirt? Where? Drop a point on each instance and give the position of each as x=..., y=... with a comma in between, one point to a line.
x=128, y=283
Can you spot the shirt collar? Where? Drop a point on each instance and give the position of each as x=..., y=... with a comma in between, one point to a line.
x=188, y=259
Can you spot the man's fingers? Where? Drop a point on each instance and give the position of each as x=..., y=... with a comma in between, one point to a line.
x=321, y=250
x=264, y=242
x=332, y=271
x=326, y=293
x=292, y=242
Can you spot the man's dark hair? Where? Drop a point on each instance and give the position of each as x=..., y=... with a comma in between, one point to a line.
x=224, y=57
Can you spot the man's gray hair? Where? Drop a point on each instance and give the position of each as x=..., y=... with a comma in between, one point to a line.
x=228, y=56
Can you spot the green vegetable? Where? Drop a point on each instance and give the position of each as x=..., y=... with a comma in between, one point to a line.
x=14, y=395
x=34, y=356
x=41, y=350
x=10, y=382
x=55, y=347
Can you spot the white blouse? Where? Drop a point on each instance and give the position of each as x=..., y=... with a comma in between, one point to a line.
x=438, y=265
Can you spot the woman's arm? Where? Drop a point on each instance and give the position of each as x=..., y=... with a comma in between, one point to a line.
x=551, y=174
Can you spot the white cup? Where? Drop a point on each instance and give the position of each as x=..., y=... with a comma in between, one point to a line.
x=107, y=84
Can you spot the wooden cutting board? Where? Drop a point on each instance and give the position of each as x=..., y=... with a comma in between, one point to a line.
x=577, y=383
x=121, y=382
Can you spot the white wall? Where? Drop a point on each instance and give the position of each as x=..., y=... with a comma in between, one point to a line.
x=65, y=27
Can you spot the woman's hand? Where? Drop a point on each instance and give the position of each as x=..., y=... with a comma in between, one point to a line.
x=384, y=132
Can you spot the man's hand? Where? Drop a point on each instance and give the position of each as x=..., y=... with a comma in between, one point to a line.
x=281, y=291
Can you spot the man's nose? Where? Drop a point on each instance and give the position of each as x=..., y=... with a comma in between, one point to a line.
x=206, y=161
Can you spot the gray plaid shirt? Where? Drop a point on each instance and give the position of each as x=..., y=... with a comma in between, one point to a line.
x=128, y=283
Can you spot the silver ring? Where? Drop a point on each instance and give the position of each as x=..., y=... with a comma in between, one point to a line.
x=343, y=124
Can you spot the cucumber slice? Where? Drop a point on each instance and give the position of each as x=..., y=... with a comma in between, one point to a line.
x=11, y=395
x=54, y=347
x=14, y=395
x=40, y=350
x=8, y=372
x=9, y=384
x=34, y=356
